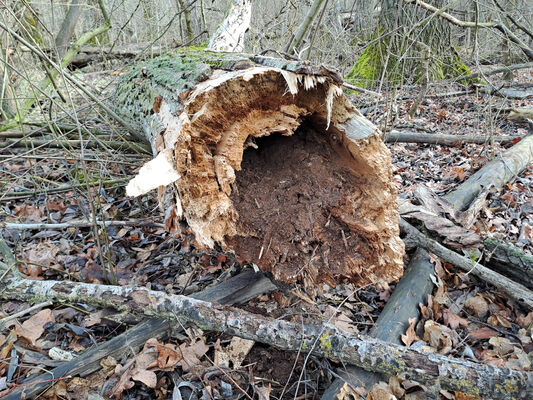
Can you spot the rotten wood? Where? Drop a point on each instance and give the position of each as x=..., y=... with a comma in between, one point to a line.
x=201, y=110
x=432, y=370
x=235, y=290
x=443, y=139
x=409, y=293
x=509, y=261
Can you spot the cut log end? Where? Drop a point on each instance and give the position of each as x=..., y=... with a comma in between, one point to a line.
x=279, y=167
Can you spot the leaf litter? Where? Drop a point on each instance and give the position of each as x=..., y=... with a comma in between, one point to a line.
x=464, y=318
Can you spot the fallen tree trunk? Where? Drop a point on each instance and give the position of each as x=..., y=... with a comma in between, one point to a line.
x=497, y=173
x=509, y=261
x=442, y=139
x=433, y=370
x=314, y=203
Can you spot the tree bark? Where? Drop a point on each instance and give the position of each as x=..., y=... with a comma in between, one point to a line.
x=432, y=370
x=67, y=28
x=442, y=139
x=497, y=173
x=201, y=110
x=509, y=261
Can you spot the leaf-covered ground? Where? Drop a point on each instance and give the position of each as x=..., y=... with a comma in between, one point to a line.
x=463, y=318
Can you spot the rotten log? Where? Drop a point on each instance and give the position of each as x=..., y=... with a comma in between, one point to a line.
x=443, y=139
x=412, y=290
x=509, y=261
x=497, y=173
x=235, y=290
x=315, y=202
x=433, y=370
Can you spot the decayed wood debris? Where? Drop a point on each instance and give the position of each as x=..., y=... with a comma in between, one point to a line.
x=433, y=370
x=315, y=202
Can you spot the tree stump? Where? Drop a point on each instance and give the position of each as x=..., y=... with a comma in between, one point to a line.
x=269, y=159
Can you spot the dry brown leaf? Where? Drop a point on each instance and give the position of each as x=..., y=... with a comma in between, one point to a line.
x=380, y=391
x=410, y=335
x=440, y=337
x=263, y=392
x=501, y=345
x=482, y=333
x=525, y=321
x=92, y=319
x=191, y=354
x=395, y=386
x=238, y=349
x=478, y=306
x=453, y=320
x=347, y=393
x=28, y=213
x=33, y=328
x=149, y=378
x=124, y=382
x=498, y=320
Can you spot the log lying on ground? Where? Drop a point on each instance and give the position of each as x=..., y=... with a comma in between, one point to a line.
x=413, y=289
x=237, y=289
x=515, y=290
x=315, y=202
x=442, y=139
x=433, y=370
x=498, y=172
x=509, y=261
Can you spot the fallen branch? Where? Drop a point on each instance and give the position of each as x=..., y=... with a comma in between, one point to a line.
x=74, y=143
x=432, y=370
x=76, y=224
x=65, y=188
x=237, y=289
x=492, y=72
x=497, y=172
x=445, y=140
x=515, y=290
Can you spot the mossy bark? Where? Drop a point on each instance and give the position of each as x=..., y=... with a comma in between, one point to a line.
x=397, y=49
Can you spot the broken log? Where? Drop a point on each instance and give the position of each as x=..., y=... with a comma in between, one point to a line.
x=237, y=289
x=442, y=139
x=513, y=289
x=433, y=370
x=497, y=173
x=269, y=159
x=509, y=261
x=412, y=290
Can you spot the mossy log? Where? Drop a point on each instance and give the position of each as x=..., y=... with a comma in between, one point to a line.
x=510, y=262
x=434, y=371
x=268, y=159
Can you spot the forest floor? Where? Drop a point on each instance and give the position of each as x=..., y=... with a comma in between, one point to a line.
x=464, y=318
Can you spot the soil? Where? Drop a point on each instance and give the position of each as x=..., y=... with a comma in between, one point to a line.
x=296, y=198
